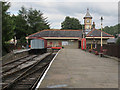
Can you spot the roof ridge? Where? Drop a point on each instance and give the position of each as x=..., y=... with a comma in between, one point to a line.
x=53, y=30
x=90, y=32
x=34, y=33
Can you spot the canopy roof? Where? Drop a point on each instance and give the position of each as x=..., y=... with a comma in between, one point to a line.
x=68, y=34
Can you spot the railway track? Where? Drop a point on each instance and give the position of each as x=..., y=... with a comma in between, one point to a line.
x=27, y=77
x=12, y=66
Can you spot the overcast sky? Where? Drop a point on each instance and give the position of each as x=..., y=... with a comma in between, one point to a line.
x=57, y=11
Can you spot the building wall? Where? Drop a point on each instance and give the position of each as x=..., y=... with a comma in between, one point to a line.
x=73, y=44
x=63, y=43
x=104, y=41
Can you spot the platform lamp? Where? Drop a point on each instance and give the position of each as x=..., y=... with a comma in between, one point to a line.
x=101, y=34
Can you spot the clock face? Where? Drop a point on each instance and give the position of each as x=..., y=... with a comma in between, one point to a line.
x=88, y=21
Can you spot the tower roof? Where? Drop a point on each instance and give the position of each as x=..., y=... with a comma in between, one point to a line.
x=87, y=14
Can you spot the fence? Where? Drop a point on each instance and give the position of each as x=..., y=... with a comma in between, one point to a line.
x=112, y=49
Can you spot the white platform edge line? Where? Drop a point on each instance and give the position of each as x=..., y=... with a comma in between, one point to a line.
x=38, y=85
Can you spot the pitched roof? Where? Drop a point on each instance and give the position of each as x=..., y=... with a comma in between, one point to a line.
x=97, y=33
x=88, y=14
x=58, y=33
x=68, y=33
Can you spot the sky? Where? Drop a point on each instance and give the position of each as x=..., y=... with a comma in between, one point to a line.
x=56, y=11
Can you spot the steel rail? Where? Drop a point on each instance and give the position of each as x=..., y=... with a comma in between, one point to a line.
x=14, y=60
x=18, y=64
x=21, y=75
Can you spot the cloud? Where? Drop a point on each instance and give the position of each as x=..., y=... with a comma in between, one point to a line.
x=57, y=11
x=107, y=20
x=55, y=19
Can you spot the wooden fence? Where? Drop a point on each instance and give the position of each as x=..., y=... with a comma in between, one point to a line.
x=111, y=49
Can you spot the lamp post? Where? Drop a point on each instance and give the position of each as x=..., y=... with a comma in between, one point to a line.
x=101, y=34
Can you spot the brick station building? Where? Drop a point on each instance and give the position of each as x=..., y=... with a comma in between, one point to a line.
x=72, y=38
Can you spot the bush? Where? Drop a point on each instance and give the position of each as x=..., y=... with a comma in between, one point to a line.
x=118, y=41
x=7, y=48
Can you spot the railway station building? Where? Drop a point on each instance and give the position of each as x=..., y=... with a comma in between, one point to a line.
x=72, y=38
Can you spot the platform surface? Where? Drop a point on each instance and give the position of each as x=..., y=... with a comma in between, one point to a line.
x=19, y=51
x=74, y=68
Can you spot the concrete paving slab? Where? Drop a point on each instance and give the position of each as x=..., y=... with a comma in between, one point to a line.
x=74, y=68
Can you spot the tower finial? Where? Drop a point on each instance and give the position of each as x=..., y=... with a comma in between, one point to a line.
x=87, y=9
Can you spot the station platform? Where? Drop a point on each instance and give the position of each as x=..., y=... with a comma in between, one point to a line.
x=19, y=51
x=74, y=68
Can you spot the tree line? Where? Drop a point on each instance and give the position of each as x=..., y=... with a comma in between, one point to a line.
x=113, y=30
x=26, y=22
x=71, y=23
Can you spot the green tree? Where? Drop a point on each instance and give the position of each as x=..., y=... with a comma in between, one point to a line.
x=36, y=21
x=21, y=26
x=28, y=22
x=113, y=30
x=7, y=23
x=118, y=41
x=7, y=27
x=71, y=23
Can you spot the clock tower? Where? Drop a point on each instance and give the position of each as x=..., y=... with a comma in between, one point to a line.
x=87, y=22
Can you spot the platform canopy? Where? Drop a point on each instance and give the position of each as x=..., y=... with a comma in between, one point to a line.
x=68, y=34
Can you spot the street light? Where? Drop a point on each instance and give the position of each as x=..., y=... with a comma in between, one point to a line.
x=101, y=33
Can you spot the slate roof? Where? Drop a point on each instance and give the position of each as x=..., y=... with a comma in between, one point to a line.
x=69, y=33
x=97, y=33
x=58, y=33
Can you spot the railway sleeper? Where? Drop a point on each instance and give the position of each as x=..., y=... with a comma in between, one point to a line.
x=14, y=81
